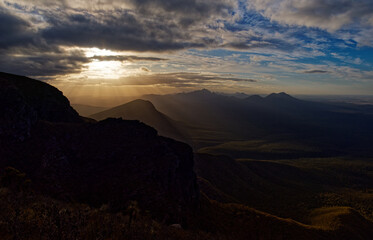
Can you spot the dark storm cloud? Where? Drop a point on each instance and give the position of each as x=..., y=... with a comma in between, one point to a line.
x=44, y=65
x=23, y=51
x=147, y=26
x=63, y=62
x=315, y=71
x=117, y=30
x=168, y=27
x=14, y=30
x=180, y=79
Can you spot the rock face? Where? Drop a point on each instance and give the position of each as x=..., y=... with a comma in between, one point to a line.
x=109, y=162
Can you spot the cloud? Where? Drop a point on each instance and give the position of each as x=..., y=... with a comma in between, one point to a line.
x=140, y=25
x=45, y=64
x=186, y=12
x=177, y=79
x=123, y=58
x=185, y=8
x=330, y=15
x=116, y=30
x=272, y=37
x=315, y=71
x=136, y=25
x=14, y=30
x=248, y=44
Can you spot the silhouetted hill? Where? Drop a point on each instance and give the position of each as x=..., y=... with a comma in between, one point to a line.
x=109, y=162
x=24, y=101
x=143, y=111
x=87, y=110
x=280, y=97
x=45, y=101
x=254, y=98
x=200, y=93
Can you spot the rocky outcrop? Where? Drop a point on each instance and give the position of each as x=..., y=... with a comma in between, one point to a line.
x=110, y=162
x=24, y=101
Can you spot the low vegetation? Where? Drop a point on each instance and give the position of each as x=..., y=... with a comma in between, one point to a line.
x=262, y=149
x=25, y=214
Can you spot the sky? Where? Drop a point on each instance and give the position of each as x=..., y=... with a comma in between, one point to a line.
x=111, y=48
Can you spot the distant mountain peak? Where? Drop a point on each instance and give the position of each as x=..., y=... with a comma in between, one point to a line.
x=254, y=98
x=240, y=95
x=281, y=95
x=201, y=92
x=142, y=102
x=204, y=90
x=146, y=112
x=138, y=106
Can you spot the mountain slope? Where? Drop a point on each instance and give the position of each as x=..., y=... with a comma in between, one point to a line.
x=24, y=101
x=87, y=110
x=143, y=111
x=45, y=101
x=288, y=188
x=109, y=162
x=267, y=186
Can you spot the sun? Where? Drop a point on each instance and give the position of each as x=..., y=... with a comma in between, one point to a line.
x=105, y=69
x=102, y=69
x=98, y=69
x=91, y=52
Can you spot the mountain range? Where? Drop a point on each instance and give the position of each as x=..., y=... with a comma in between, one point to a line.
x=213, y=119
